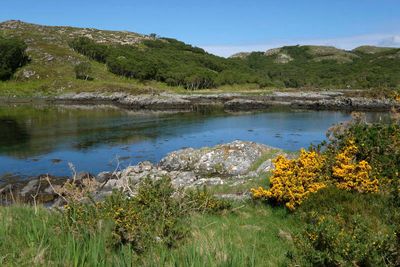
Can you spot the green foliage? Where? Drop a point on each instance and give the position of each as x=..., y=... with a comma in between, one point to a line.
x=179, y=64
x=83, y=71
x=347, y=229
x=377, y=143
x=332, y=69
x=153, y=216
x=170, y=61
x=90, y=49
x=12, y=56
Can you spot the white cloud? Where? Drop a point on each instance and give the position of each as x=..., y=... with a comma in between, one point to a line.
x=392, y=40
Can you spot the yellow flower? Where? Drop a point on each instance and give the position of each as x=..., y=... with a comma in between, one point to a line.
x=294, y=179
x=352, y=175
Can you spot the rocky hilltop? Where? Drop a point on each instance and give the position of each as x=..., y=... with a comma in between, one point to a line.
x=227, y=164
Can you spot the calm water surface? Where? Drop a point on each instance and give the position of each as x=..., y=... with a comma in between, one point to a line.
x=37, y=140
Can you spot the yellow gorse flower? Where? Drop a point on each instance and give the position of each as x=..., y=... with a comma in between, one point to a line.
x=294, y=179
x=352, y=175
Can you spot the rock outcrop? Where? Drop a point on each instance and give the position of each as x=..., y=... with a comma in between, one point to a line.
x=324, y=100
x=231, y=163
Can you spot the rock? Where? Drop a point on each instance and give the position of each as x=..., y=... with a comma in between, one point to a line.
x=182, y=179
x=283, y=58
x=186, y=168
x=105, y=176
x=39, y=190
x=328, y=100
x=266, y=166
x=230, y=159
x=30, y=188
x=208, y=181
x=180, y=160
x=162, y=101
x=245, y=104
x=28, y=73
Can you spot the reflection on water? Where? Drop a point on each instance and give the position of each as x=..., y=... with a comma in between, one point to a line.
x=12, y=133
x=36, y=140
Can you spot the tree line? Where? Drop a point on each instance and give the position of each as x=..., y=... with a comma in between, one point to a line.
x=170, y=61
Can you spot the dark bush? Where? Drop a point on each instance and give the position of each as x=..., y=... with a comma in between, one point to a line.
x=12, y=56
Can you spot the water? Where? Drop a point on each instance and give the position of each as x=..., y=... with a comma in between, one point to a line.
x=44, y=139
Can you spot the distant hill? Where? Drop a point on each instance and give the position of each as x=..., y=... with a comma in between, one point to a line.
x=326, y=66
x=149, y=61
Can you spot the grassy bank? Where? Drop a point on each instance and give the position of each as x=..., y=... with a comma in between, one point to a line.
x=248, y=236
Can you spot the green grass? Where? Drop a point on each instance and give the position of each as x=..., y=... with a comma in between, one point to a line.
x=248, y=236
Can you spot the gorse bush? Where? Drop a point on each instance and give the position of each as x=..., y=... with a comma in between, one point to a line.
x=152, y=216
x=294, y=179
x=351, y=175
x=377, y=143
x=340, y=231
x=157, y=215
x=345, y=225
x=359, y=157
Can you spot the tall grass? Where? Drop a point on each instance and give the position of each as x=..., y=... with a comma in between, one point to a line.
x=248, y=236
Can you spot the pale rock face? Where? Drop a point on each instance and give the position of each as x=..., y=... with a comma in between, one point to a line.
x=231, y=159
x=198, y=167
x=283, y=58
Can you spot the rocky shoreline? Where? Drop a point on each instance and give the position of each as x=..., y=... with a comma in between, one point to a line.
x=326, y=100
x=227, y=164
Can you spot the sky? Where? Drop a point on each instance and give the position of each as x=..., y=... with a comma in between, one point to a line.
x=226, y=27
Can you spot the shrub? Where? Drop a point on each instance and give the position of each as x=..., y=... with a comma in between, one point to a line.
x=83, y=71
x=201, y=200
x=293, y=180
x=333, y=241
x=157, y=214
x=153, y=216
x=352, y=175
x=12, y=56
x=340, y=231
x=377, y=143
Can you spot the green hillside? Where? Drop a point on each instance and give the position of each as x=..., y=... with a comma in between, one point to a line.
x=64, y=59
x=329, y=67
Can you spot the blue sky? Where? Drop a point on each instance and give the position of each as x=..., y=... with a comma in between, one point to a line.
x=225, y=27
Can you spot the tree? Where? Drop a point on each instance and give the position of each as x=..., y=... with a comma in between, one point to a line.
x=12, y=56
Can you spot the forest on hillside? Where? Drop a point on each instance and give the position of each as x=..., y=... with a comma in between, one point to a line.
x=178, y=64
